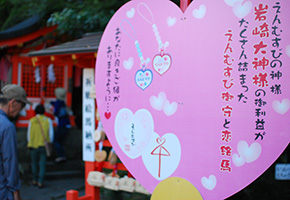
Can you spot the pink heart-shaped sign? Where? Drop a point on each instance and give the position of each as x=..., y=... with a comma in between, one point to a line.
x=221, y=110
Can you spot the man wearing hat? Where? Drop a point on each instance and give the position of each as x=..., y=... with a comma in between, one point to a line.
x=12, y=101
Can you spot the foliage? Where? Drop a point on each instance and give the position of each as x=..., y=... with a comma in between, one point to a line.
x=73, y=17
x=85, y=16
x=13, y=12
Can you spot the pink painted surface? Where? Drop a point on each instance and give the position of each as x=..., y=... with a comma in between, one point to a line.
x=164, y=105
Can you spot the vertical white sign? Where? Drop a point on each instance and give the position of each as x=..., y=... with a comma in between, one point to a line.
x=88, y=116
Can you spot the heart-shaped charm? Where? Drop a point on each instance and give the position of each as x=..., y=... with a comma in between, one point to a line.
x=143, y=78
x=219, y=105
x=161, y=63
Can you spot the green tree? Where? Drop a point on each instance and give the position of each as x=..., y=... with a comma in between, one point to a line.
x=73, y=17
x=85, y=16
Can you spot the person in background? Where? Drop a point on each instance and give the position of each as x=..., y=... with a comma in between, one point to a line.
x=63, y=123
x=12, y=101
x=36, y=143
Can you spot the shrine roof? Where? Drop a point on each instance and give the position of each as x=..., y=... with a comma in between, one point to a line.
x=89, y=43
x=23, y=28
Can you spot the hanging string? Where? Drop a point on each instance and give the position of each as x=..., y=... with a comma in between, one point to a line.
x=154, y=26
x=137, y=45
x=148, y=9
x=133, y=38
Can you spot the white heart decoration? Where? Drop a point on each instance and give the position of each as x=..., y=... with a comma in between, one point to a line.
x=210, y=182
x=199, y=13
x=238, y=160
x=282, y=107
x=242, y=10
x=232, y=2
x=128, y=64
x=171, y=21
x=162, y=155
x=133, y=131
x=170, y=108
x=130, y=13
x=250, y=154
x=158, y=102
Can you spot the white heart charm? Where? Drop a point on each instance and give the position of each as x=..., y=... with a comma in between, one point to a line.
x=251, y=153
x=232, y=2
x=158, y=102
x=282, y=107
x=242, y=11
x=171, y=21
x=169, y=108
x=130, y=13
x=128, y=64
x=143, y=78
x=288, y=50
x=133, y=132
x=199, y=13
x=162, y=155
x=209, y=183
x=238, y=160
x=161, y=63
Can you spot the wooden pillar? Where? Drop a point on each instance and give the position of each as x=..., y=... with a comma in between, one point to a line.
x=184, y=4
x=91, y=190
x=15, y=74
x=69, y=85
x=72, y=195
x=42, y=83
